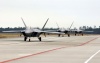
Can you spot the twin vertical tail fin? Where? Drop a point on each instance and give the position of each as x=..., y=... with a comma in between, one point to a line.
x=42, y=27
x=24, y=23
x=71, y=25
x=45, y=24
x=58, y=26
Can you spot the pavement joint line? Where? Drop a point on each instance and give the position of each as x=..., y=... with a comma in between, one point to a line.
x=92, y=56
x=6, y=61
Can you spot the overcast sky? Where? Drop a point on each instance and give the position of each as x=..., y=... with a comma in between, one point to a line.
x=36, y=12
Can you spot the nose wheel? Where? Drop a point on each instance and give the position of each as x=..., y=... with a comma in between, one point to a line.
x=29, y=39
x=58, y=35
x=25, y=38
x=68, y=35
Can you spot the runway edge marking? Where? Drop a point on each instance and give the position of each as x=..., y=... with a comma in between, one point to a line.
x=46, y=51
x=31, y=55
x=92, y=56
x=88, y=41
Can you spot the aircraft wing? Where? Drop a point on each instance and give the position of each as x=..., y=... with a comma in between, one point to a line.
x=14, y=31
x=88, y=31
x=81, y=30
x=51, y=32
x=55, y=32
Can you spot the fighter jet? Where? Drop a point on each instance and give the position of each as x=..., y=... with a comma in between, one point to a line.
x=80, y=32
x=33, y=32
x=63, y=30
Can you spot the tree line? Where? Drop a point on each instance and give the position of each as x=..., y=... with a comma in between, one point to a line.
x=96, y=30
x=85, y=28
x=9, y=28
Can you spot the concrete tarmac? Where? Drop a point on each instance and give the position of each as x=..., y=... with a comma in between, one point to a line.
x=74, y=49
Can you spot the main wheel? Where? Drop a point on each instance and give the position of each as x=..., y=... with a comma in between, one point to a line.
x=25, y=38
x=68, y=35
x=82, y=34
x=39, y=38
x=58, y=35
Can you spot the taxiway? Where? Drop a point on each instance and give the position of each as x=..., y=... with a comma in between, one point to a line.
x=74, y=49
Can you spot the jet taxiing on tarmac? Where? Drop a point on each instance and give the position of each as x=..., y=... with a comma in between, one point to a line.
x=81, y=32
x=66, y=31
x=78, y=32
x=33, y=32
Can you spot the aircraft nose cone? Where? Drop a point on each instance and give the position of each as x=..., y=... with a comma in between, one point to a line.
x=27, y=31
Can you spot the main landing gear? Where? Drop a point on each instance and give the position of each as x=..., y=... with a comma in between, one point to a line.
x=25, y=38
x=39, y=38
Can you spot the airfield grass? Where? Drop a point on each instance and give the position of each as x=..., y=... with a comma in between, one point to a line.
x=7, y=35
